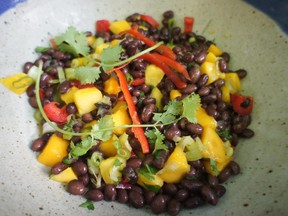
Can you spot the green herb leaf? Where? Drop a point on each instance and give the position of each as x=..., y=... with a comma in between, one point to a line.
x=41, y=49
x=110, y=56
x=190, y=105
x=88, y=204
x=225, y=134
x=81, y=148
x=155, y=136
x=73, y=42
x=143, y=171
x=213, y=166
x=154, y=188
x=117, y=162
x=171, y=111
x=68, y=127
x=104, y=129
x=87, y=74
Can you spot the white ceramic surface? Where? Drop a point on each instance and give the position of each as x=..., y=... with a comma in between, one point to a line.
x=255, y=43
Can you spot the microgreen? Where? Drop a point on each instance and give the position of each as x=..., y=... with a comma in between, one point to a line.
x=88, y=204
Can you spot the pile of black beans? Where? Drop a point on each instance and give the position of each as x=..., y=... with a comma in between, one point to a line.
x=198, y=187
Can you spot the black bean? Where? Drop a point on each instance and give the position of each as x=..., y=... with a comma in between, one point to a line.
x=187, y=57
x=71, y=108
x=49, y=92
x=200, y=57
x=239, y=127
x=212, y=180
x=122, y=196
x=130, y=175
x=172, y=132
x=158, y=204
x=31, y=90
x=234, y=140
x=235, y=168
x=110, y=192
x=134, y=163
x=219, y=83
x=219, y=190
x=33, y=102
x=212, y=111
x=209, y=195
x=149, y=196
x=241, y=73
x=168, y=84
x=147, y=112
x=38, y=144
x=168, y=14
x=45, y=79
x=173, y=207
x=194, y=128
x=189, y=89
x=226, y=56
x=182, y=195
x=76, y=187
x=193, y=173
x=203, y=91
x=95, y=195
x=136, y=199
x=221, y=106
x=202, y=80
x=80, y=168
x=192, y=185
x=58, y=168
x=27, y=67
x=194, y=74
x=149, y=100
x=64, y=87
x=194, y=202
x=84, y=178
x=209, y=98
x=247, y=133
x=224, y=174
x=161, y=158
x=170, y=188
x=88, y=117
x=223, y=66
x=136, y=92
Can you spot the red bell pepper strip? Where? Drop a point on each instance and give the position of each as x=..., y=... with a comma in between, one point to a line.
x=149, y=20
x=138, y=81
x=162, y=49
x=174, y=64
x=102, y=25
x=188, y=24
x=241, y=104
x=54, y=113
x=138, y=131
x=169, y=73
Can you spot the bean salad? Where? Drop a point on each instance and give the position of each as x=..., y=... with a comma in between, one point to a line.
x=142, y=112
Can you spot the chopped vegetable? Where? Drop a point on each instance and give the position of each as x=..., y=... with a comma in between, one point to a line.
x=150, y=20
x=188, y=24
x=55, y=113
x=65, y=176
x=242, y=104
x=119, y=26
x=102, y=25
x=17, y=83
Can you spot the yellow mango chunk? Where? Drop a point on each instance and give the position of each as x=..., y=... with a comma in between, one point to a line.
x=13, y=85
x=225, y=94
x=91, y=40
x=77, y=62
x=213, y=145
x=215, y=50
x=212, y=72
x=85, y=99
x=68, y=97
x=115, y=42
x=65, y=176
x=108, y=148
x=176, y=167
x=211, y=58
x=220, y=165
x=120, y=105
x=120, y=117
x=232, y=82
x=119, y=26
x=153, y=75
x=99, y=48
x=204, y=119
x=111, y=169
x=153, y=181
x=111, y=86
x=54, y=151
x=174, y=93
x=157, y=94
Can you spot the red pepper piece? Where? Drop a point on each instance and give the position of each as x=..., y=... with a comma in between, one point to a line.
x=102, y=25
x=138, y=131
x=149, y=20
x=162, y=49
x=41, y=93
x=138, y=81
x=173, y=64
x=53, y=43
x=169, y=73
x=54, y=113
x=188, y=24
x=241, y=104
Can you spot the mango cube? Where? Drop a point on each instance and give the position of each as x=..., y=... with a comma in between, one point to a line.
x=153, y=75
x=65, y=176
x=119, y=26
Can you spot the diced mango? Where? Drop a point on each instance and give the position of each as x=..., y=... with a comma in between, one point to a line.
x=65, y=176
x=211, y=70
x=215, y=50
x=157, y=94
x=99, y=48
x=54, y=151
x=213, y=145
x=108, y=148
x=211, y=58
x=204, y=119
x=111, y=169
x=119, y=26
x=120, y=105
x=225, y=94
x=120, y=117
x=85, y=99
x=153, y=75
x=174, y=93
x=151, y=182
x=13, y=85
x=90, y=40
x=115, y=42
x=220, y=165
x=176, y=167
x=77, y=62
x=111, y=86
x=68, y=97
x=232, y=82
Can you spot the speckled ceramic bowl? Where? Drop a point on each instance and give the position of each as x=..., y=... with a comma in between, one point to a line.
x=255, y=43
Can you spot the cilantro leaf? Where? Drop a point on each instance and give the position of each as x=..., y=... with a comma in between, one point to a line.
x=81, y=148
x=88, y=204
x=110, y=56
x=103, y=130
x=154, y=188
x=87, y=74
x=73, y=42
x=69, y=128
x=190, y=105
x=41, y=49
x=146, y=174
x=225, y=134
x=155, y=136
x=117, y=162
x=213, y=166
x=171, y=111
